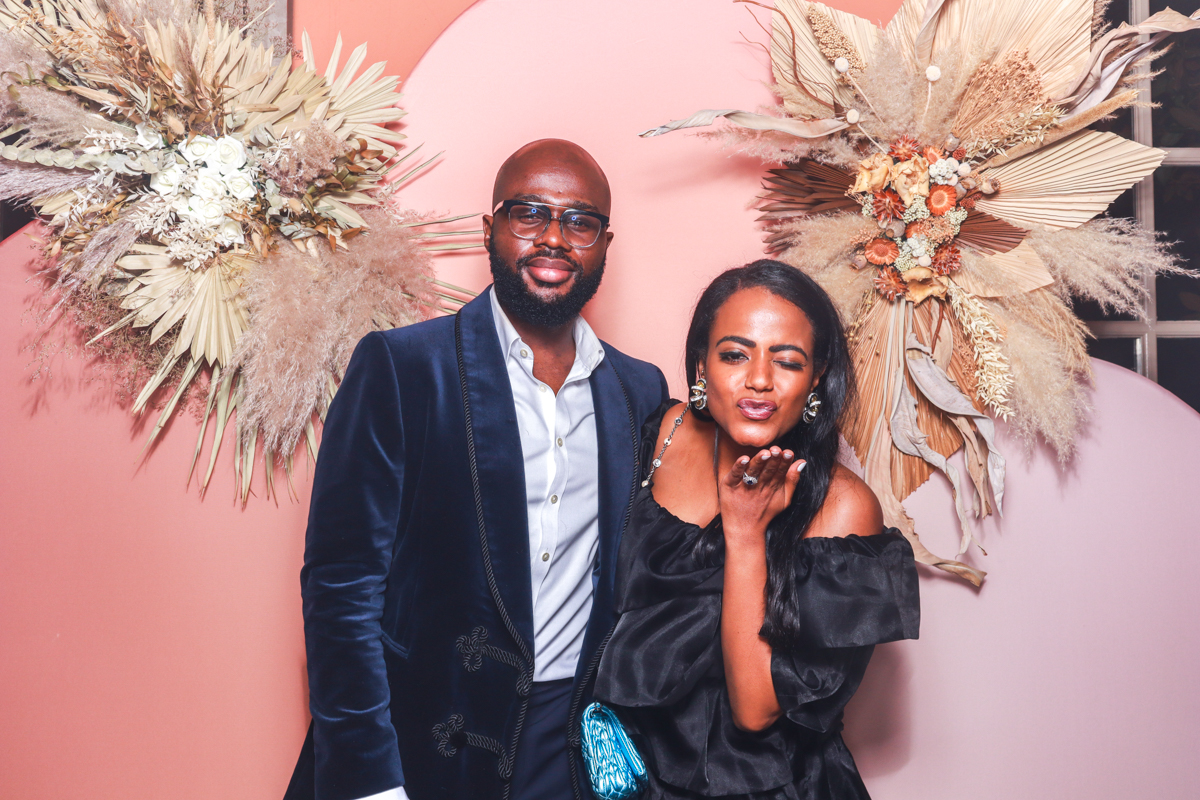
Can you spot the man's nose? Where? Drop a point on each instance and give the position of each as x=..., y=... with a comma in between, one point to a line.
x=552, y=238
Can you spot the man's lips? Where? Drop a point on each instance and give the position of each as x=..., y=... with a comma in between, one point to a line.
x=550, y=270
x=756, y=409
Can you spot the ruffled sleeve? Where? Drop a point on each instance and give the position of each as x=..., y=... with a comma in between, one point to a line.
x=855, y=592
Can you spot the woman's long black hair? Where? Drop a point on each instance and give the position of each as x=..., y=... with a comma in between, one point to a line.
x=815, y=442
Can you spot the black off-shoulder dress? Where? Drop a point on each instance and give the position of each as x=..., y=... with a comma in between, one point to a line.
x=662, y=670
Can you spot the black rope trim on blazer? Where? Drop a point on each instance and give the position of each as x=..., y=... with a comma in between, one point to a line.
x=573, y=732
x=525, y=682
x=474, y=647
x=450, y=733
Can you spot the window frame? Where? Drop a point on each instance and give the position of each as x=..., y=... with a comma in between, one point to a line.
x=1147, y=332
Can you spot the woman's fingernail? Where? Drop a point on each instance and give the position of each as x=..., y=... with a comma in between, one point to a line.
x=800, y=467
x=766, y=456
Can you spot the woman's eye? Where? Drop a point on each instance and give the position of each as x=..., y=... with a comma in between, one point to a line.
x=791, y=365
x=732, y=356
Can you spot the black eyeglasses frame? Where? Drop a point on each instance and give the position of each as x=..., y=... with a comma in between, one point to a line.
x=507, y=205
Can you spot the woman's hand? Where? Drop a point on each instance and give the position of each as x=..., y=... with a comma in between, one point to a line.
x=747, y=509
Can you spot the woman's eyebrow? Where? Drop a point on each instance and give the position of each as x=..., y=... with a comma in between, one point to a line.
x=743, y=341
x=779, y=347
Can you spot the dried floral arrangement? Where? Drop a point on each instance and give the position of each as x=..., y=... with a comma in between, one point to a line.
x=939, y=180
x=218, y=221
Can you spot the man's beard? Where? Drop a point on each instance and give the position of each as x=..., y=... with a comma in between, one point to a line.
x=517, y=300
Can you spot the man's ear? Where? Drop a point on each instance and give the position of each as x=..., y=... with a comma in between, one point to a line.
x=487, y=232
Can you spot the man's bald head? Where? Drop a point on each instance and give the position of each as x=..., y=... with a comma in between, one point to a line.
x=556, y=166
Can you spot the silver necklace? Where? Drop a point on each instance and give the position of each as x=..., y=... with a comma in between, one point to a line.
x=657, y=462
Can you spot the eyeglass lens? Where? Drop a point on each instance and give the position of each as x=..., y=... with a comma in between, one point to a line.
x=579, y=229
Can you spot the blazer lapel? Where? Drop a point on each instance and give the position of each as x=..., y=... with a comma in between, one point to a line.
x=616, y=432
x=499, y=461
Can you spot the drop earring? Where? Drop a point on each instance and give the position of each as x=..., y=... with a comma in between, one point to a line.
x=812, y=407
x=699, y=397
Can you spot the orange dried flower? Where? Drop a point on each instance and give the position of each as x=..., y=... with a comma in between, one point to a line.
x=890, y=283
x=904, y=148
x=946, y=259
x=941, y=199
x=881, y=251
x=918, y=228
x=932, y=154
x=969, y=201
x=888, y=205
x=959, y=154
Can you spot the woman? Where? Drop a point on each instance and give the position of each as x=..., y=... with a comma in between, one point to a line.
x=755, y=576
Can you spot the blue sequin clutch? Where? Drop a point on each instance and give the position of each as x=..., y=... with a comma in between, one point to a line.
x=616, y=770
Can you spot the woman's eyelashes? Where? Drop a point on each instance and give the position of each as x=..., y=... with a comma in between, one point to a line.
x=732, y=356
x=737, y=357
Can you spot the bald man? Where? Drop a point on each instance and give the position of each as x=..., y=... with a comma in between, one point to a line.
x=474, y=479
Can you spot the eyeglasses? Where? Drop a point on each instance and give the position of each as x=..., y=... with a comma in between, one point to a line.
x=529, y=220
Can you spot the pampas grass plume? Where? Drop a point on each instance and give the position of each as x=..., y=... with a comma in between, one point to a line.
x=1107, y=260
x=21, y=182
x=308, y=313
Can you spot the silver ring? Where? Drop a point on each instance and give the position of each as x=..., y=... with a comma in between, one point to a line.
x=749, y=480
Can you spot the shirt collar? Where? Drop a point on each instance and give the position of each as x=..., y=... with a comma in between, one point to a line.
x=589, y=352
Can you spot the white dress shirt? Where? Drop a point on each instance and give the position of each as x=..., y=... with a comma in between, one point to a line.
x=561, y=455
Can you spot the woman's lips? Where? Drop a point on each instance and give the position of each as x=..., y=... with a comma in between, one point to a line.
x=756, y=409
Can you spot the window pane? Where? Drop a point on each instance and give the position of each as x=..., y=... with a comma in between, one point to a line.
x=1086, y=309
x=1179, y=368
x=1177, y=122
x=13, y=218
x=1176, y=200
x=1122, y=352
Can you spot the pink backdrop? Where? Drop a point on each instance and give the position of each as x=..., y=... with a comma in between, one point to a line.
x=150, y=643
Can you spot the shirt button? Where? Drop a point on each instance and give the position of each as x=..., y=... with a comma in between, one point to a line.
x=541, y=387
x=560, y=442
x=545, y=556
x=553, y=498
x=524, y=353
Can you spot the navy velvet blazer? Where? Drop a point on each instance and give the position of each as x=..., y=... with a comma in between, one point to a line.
x=418, y=615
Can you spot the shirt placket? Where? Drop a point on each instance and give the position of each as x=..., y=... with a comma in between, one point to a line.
x=543, y=555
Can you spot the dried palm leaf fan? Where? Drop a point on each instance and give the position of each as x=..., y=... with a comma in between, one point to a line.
x=219, y=222
x=937, y=179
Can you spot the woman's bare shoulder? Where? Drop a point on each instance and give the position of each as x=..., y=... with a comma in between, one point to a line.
x=850, y=507
x=667, y=423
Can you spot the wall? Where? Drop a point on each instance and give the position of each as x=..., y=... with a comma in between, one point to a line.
x=150, y=642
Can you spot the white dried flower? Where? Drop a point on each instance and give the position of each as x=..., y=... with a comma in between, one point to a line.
x=148, y=138
x=841, y=64
x=206, y=211
x=167, y=181
x=209, y=183
x=853, y=116
x=199, y=149
x=229, y=155
x=240, y=185
x=932, y=73
x=230, y=232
